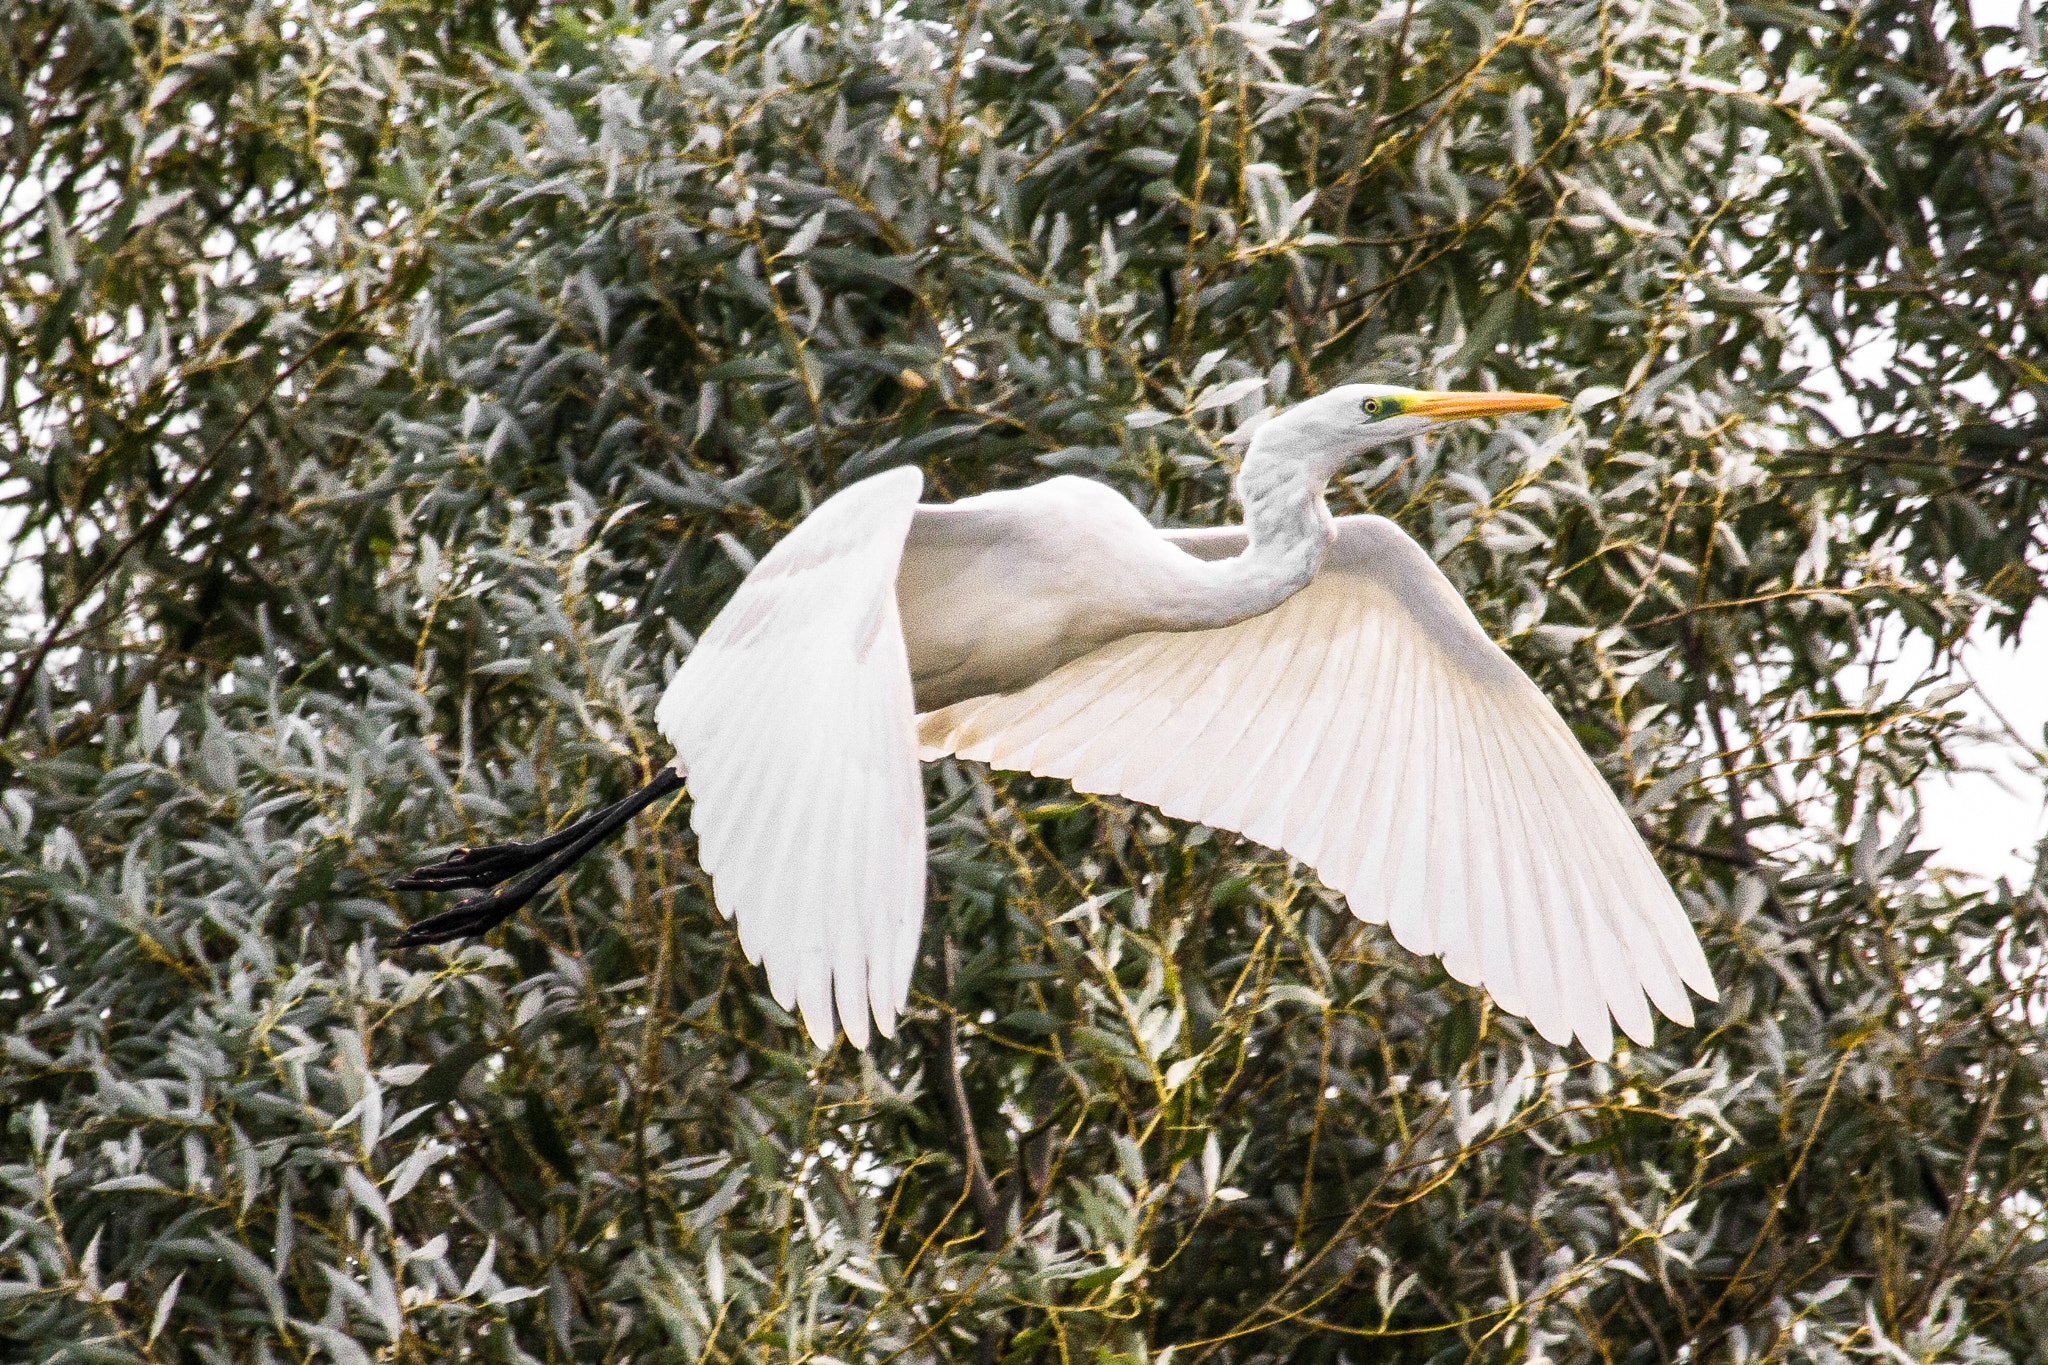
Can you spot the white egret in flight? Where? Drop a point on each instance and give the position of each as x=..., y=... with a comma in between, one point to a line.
x=1312, y=683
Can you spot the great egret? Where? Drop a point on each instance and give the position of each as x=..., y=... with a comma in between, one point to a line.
x=1313, y=683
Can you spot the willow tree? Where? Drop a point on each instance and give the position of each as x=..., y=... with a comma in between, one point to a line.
x=391, y=391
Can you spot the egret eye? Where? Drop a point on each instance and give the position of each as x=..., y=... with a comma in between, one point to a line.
x=1372, y=407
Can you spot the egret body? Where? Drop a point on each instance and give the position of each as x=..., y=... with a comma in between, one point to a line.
x=1311, y=682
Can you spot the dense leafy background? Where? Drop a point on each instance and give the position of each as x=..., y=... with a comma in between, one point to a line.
x=392, y=388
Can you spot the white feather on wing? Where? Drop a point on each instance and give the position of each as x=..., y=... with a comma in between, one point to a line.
x=794, y=723
x=1368, y=727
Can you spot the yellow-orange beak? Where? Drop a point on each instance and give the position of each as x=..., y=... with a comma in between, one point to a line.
x=1443, y=407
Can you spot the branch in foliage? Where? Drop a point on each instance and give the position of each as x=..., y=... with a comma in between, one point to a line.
x=946, y=1060
x=31, y=667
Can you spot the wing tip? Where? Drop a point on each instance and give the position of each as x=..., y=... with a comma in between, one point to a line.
x=1682, y=1016
x=885, y=1022
x=908, y=476
x=823, y=1036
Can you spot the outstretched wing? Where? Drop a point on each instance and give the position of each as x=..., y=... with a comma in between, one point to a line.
x=1369, y=727
x=794, y=721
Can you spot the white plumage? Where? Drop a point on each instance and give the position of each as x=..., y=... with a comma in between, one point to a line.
x=1368, y=727
x=1314, y=684
x=793, y=720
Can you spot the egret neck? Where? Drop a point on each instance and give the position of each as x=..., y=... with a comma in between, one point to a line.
x=1290, y=461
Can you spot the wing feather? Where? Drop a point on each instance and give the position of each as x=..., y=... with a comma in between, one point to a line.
x=1196, y=689
x=1592, y=889
x=1532, y=940
x=1353, y=842
x=1210, y=771
x=863, y=920
x=1368, y=727
x=1031, y=718
x=1264, y=745
x=794, y=724
x=1201, y=739
x=1580, y=988
x=1475, y=913
x=1611, y=984
x=816, y=928
x=1419, y=747
x=1132, y=713
x=1271, y=808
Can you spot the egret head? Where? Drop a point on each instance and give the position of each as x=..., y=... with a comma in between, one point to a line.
x=1333, y=428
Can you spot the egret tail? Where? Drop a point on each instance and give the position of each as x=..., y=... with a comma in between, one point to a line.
x=549, y=858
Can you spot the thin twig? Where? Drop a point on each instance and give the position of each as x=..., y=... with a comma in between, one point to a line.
x=979, y=1187
x=1733, y=857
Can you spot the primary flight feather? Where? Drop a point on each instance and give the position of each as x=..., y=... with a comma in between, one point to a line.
x=1313, y=683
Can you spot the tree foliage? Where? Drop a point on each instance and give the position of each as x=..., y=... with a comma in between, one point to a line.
x=391, y=390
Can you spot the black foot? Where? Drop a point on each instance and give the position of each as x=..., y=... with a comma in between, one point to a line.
x=482, y=866
x=465, y=919
x=548, y=858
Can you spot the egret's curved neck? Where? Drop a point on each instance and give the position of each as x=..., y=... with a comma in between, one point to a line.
x=1288, y=528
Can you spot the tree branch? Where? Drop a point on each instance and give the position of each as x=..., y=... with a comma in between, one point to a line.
x=987, y=1206
x=32, y=667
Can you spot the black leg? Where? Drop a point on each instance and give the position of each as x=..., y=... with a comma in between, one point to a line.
x=483, y=866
